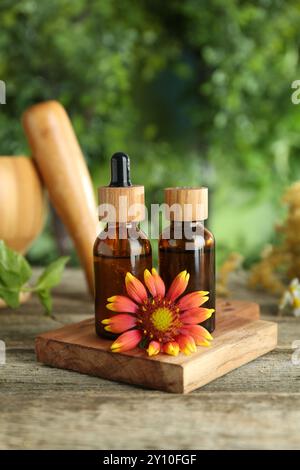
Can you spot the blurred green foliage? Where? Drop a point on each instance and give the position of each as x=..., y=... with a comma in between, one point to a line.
x=196, y=91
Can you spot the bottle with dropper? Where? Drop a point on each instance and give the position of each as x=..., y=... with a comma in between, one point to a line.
x=122, y=246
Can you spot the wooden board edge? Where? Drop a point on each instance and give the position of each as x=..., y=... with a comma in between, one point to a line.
x=111, y=366
x=267, y=344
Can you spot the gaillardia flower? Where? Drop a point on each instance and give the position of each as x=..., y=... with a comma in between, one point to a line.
x=161, y=322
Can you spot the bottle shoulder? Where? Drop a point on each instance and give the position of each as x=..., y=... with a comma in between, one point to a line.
x=128, y=245
x=172, y=239
x=209, y=235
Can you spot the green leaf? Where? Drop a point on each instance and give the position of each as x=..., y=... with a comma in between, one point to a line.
x=45, y=299
x=48, y=279
x=10, y=296
x=52, y=275
x=14, y=269
x=15, y=272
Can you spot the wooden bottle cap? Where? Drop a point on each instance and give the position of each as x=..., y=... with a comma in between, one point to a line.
x=186, y=204
x=121, y=204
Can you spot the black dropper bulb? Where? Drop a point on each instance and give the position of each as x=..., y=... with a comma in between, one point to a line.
x=120, y=170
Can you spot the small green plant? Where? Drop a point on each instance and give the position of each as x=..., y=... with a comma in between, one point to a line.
x=15, y=273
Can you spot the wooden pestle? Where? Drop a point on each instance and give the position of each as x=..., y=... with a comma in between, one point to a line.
x=63, y=168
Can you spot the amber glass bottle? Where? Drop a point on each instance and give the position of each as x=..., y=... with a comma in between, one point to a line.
x=122, y=246
x=113, y=258
x=187, y=244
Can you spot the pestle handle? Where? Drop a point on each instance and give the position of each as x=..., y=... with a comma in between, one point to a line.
x=62, y=166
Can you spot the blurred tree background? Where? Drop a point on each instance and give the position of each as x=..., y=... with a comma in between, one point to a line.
x=196, y=91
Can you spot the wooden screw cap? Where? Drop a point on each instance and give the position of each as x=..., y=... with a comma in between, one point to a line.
x=121, y=204
x=186, y=204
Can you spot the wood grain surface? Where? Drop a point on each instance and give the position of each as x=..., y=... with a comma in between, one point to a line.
x=256, y=406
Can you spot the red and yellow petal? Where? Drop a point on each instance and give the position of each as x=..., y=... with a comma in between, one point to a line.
x=178, y=286
x=135, y=288
x=154, y=283
x=153, y=348
x=171, y=348
x=201, y=336
x=187, y=344
x=119, y=323
x=159, y=284
x=196, y=315
x=150, y=283
x=121, y=303
x=126, y=341
x=203, y=342
x=192, y=300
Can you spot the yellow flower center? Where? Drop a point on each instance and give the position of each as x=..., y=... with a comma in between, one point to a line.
x=159, y=319
x=162, y=318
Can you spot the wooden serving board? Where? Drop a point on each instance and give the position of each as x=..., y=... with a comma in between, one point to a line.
x=239, y=338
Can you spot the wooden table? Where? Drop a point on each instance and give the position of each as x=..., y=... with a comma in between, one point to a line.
x=256, y=406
